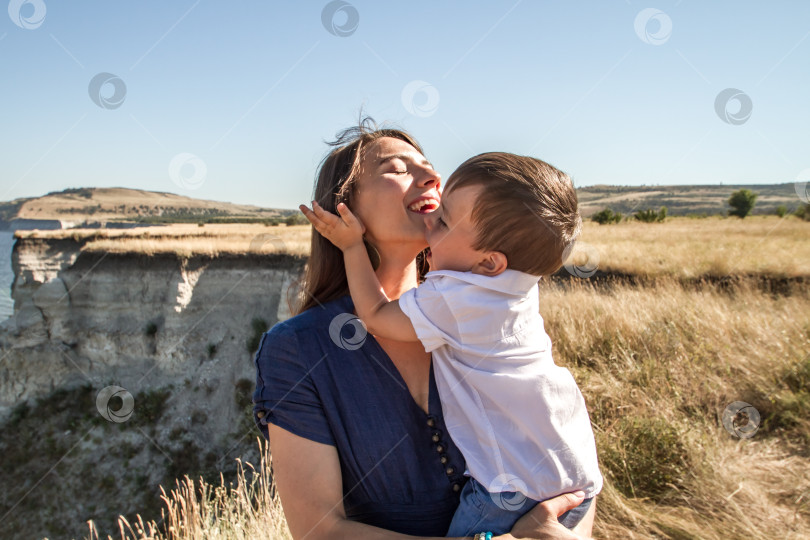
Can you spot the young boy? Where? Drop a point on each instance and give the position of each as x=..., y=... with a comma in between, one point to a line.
x=519, y=420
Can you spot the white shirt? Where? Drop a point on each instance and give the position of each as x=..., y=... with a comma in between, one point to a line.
x=519, y=419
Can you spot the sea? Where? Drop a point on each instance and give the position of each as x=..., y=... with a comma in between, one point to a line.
x=6, y=275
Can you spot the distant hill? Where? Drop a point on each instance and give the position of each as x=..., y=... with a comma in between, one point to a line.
x=94, y=206
x=683, y=200
x=75, y=206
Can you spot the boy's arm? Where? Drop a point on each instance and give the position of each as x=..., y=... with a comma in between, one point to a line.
x=382, y=316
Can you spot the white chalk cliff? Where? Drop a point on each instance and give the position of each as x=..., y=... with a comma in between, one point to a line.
x=87, y=316
x=142, y=323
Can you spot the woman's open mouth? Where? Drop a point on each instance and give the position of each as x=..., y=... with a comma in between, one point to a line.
x=424, y=205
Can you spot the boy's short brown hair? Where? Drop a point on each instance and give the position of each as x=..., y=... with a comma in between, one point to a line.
x=527, y=209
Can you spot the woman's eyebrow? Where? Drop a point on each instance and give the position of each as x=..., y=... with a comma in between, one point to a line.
x=404, y=157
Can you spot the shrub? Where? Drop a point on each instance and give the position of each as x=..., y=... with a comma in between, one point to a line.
x=781, y=210
x=606, y=217
x=150, y=329
x=258, y=327
x=803, y=212
x=742, y=202
x=296, y=219
x=651, y=216
x=150, y=406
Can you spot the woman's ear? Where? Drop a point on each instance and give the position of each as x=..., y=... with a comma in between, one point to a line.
x=492, y=264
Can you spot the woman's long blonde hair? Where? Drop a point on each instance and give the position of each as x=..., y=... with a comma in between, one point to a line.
x=324, y=277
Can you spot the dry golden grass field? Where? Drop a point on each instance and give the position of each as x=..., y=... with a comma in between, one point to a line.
x=658, y=359
x=681, y=247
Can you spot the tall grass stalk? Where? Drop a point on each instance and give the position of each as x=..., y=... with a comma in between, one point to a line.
x=197, y=510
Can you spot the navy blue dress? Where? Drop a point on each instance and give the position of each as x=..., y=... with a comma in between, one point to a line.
x=319, y=376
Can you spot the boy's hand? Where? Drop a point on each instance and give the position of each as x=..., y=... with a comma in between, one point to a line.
x=344, y=230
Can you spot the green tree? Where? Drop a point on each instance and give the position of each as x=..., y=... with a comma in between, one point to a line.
x=781, y=210
x=742, y=202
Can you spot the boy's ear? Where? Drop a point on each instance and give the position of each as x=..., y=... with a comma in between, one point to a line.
x=492, y=264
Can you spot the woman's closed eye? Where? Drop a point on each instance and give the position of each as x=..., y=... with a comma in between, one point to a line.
x=441, y=222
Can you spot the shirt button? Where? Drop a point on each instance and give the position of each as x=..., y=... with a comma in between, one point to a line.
x=431, y=421
x=450, y=471
x=456, y=487
x=444, y=459
x=437, y=436
x=440, y=448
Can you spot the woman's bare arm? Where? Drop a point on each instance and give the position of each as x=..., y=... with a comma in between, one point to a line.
x=310, y=485
x=307, y=474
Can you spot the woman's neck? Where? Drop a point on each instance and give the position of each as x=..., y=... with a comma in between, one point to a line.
x=397, y=272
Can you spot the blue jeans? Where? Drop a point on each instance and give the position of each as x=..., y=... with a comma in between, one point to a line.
x=481, y=511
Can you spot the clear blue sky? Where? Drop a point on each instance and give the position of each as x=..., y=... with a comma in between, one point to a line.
x=252, y=88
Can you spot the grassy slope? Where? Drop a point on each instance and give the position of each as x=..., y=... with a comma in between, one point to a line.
x=88, y=204
x=682, y=200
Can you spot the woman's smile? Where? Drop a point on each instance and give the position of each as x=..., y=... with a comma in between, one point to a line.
x=424, y=204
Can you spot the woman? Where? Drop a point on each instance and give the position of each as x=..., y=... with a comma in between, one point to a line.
x=355, y=424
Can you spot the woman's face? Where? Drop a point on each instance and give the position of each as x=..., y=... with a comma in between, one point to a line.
x=394, y=191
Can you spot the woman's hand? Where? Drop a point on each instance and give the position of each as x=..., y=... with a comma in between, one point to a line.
x=541, y=521
x=345, y=230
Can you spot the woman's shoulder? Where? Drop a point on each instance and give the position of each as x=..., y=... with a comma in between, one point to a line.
x=297, y=343
x=316, y=319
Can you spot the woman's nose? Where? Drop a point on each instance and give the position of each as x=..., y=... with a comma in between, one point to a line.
x=428, y=178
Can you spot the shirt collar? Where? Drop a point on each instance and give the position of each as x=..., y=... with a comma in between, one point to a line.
x=509, y=281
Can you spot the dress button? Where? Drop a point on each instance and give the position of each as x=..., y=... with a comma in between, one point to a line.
x=431, y=421
x=444, y=459
x=450, y=471
x=437, y=436
x=456, y=487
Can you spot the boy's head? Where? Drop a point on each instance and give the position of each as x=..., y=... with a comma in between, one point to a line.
x=501, y=210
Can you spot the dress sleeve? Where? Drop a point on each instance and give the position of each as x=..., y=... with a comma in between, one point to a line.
x=430, y=313
x=285, y=392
